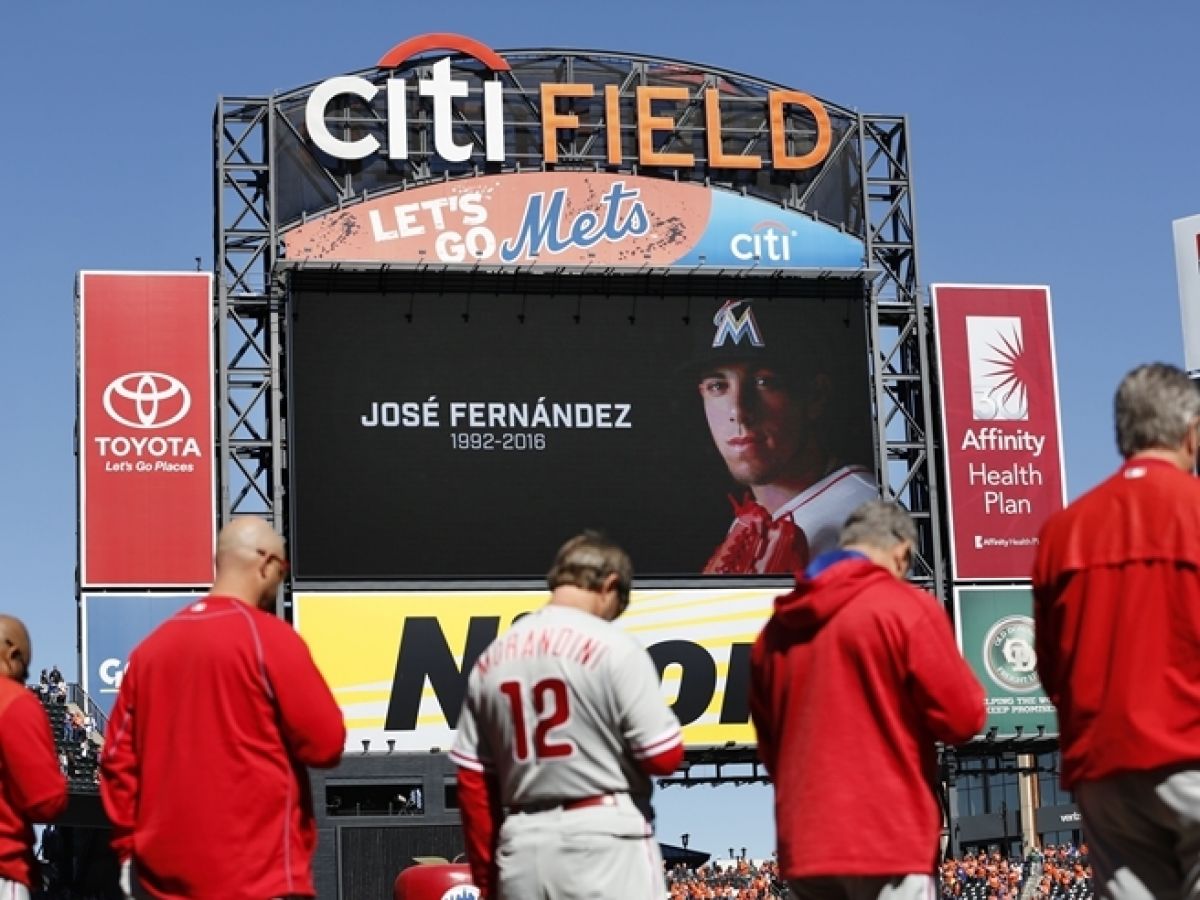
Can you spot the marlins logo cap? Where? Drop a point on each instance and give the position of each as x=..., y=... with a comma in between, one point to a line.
x=734, y=323
x=778, y=332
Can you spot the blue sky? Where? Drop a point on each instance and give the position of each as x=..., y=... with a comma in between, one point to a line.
x=1051, y=143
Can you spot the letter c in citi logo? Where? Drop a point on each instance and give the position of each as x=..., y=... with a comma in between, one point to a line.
x=147, y=400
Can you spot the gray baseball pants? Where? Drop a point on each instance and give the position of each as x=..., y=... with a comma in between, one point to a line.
x=1143, y=834
x=597, y=853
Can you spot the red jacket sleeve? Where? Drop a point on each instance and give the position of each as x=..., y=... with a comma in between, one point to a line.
x=32, y=777
x=119, y=767
x=310, y=718
x=664, y=763
x=947, y=691
x=1045, y=630
x=479, y=804
x=760, y=701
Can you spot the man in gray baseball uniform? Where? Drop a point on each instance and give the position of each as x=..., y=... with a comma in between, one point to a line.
x=561, y=729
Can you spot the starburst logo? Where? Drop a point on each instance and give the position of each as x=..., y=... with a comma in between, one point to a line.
x=999, y=368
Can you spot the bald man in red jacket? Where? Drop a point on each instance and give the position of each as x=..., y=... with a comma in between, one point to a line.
x=219, y=713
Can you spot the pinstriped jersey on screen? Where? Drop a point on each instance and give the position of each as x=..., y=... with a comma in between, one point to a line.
x=560, y=707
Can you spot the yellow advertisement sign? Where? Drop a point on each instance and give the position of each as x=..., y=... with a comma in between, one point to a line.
x=398, y=662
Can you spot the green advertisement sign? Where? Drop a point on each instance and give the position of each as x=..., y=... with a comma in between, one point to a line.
x=995, y=632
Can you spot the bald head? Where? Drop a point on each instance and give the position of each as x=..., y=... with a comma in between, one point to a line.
x=250, y=561
x=16, y=654
x=241, y=541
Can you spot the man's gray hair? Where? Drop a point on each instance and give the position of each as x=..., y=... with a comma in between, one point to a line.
x=881, y=524
x=1154, y=407
x=589, y=558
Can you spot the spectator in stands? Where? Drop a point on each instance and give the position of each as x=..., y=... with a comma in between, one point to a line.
x=226, y=811
x=71, y=729
x=853, y=680
x=78, y=730
x=1117, y=592
x=32, y=788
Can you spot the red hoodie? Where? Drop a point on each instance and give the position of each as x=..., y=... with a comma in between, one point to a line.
x=853, y=680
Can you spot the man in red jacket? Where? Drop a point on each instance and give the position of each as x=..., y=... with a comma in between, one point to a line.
x=32, y=787
x=219, y=712
x=853, y=680
x=1117, y=606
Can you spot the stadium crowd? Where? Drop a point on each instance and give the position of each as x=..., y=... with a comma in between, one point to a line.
x=742, y=879
x=1057, y=873
x=77, y=736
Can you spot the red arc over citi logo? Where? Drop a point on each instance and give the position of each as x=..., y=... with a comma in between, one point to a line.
x=147, y=400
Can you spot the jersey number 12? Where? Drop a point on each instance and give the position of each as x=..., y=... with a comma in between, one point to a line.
x=551, y=706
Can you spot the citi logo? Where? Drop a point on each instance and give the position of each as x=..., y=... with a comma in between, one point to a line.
x=442, y=88
x=770, y=241
x=147, y=400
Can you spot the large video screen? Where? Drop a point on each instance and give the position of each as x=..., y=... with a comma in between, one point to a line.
x=443, y=435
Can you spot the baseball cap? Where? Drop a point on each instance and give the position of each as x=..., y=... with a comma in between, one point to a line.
x=785, y=333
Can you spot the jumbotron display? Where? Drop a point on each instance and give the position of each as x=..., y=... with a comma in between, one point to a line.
x=472, y=301
x=452, y=435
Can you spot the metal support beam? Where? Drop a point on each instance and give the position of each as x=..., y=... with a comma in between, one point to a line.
x=900, y=342
x=250, y=423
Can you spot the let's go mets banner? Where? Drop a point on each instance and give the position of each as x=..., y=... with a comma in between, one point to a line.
x=574, y=219
x=146, y=469
x=398, y=663
x=1001, y=429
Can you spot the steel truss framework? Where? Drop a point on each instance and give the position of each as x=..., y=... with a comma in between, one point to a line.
x=248, y=132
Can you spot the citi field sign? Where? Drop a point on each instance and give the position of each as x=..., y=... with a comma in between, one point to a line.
x=449, y=152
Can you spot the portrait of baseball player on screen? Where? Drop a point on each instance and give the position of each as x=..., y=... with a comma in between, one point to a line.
x=783, y=389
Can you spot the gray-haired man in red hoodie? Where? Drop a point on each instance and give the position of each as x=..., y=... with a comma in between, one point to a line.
x=853, y=680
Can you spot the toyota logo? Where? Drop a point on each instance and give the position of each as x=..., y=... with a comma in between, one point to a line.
x=147, y=400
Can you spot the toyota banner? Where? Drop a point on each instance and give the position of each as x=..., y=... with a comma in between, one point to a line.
x=1001, y=427
x=146, y=469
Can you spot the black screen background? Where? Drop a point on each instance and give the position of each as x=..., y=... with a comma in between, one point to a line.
x=401, y=503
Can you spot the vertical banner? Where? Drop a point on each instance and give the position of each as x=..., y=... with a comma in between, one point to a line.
x=995, y=632
x=1001, y=431
x=1187, y=269
x=146, y=470
x=112, y=625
